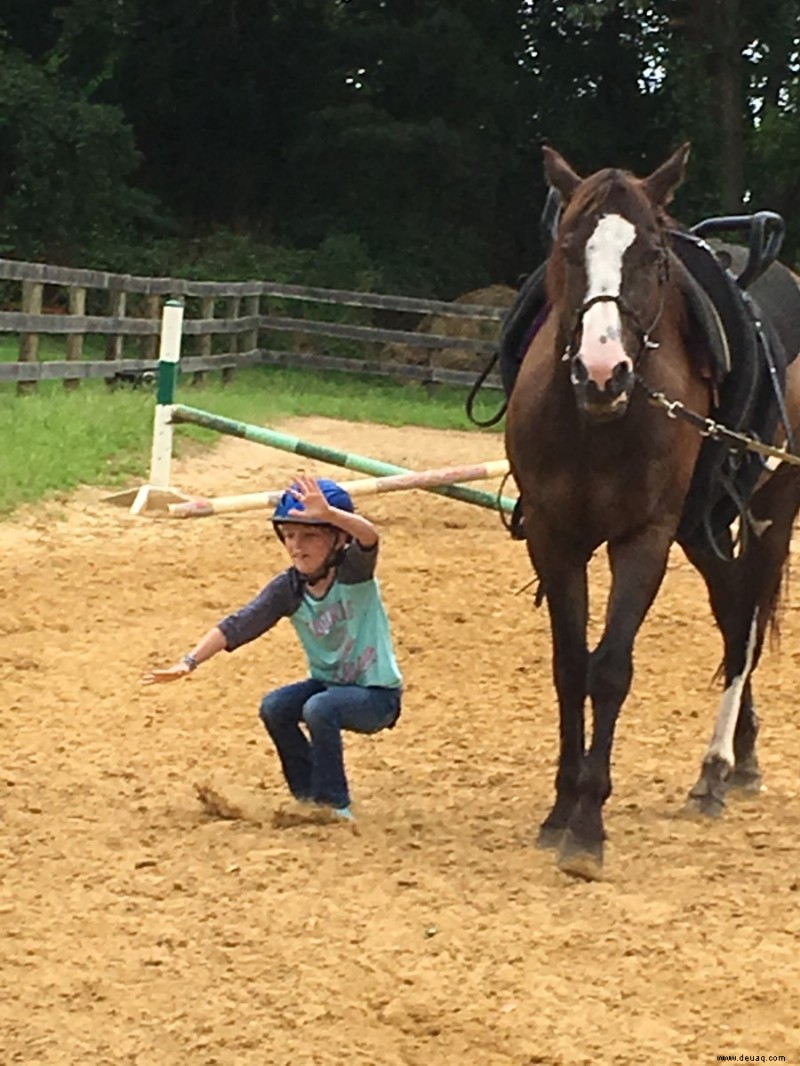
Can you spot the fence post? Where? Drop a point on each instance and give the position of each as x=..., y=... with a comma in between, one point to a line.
x=234, y=303
x=77, y=306
x=152, y=309
x=117, y=306
x=29, y=342
x=204, y=339
x=248, y=341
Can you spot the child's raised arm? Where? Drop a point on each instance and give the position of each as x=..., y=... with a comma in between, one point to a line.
x=316, y=508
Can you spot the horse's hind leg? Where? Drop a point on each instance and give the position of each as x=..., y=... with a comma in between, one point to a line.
x=746, y=774
x=744, y=594
x=741, y=658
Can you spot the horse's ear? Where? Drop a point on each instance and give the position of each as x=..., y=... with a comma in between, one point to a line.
x=662, y=183
x=560, y=174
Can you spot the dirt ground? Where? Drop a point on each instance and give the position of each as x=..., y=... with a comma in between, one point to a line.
x=135, y=928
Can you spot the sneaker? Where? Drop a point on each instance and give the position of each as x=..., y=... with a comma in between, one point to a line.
x=345, y=816
x=307, y=813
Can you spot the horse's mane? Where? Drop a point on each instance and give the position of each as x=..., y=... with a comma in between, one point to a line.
x=590, y=197
x=592, y=194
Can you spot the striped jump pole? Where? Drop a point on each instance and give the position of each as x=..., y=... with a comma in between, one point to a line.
x=349, y=460
x=371, y=486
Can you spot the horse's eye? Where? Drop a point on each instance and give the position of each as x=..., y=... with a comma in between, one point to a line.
x=570, y=248
x=649, y=254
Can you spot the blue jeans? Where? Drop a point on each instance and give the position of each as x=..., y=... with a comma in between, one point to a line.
x=314, y=769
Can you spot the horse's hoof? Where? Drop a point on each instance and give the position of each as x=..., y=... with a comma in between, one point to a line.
x=745, y=777
x=707, y=795
x=580, y=860
x=751, y=783
x=550, y=836
x=707, y=805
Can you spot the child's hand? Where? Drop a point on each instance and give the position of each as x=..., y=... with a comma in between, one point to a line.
x=160, y=677
x=315, y=506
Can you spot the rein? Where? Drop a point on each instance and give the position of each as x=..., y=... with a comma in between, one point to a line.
x=707, y=427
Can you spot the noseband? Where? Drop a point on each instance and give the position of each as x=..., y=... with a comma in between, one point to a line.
x=626, y=314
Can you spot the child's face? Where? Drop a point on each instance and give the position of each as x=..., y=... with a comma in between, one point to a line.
x=308, y=546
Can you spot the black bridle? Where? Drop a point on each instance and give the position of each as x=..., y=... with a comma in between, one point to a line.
x=626, y=313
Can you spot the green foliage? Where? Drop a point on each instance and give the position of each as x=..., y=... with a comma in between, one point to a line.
x=426, y=129
x=372, y=143
x=64, y=184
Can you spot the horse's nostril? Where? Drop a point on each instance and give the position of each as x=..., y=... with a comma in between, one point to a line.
x=579, y=374
x=621, y=380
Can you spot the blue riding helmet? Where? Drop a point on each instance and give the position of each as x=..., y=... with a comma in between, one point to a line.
x=333, y=493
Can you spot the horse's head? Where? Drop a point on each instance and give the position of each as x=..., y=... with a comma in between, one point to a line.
x=607, y=273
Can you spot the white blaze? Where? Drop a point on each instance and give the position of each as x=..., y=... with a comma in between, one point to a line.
x=612, y=237
x=601, y=344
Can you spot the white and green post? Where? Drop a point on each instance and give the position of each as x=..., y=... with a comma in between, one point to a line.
x=168, y=366
x=157, y=494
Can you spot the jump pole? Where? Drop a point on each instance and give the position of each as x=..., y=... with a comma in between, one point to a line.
x=351, y=461
x=371, y=486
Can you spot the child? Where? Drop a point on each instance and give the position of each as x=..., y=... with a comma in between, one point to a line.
x=333, y=600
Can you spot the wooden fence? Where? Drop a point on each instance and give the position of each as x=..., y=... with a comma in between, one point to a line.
x=125, y=311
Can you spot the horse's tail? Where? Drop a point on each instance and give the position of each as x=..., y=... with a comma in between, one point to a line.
x=775, y=606
x=771, y=609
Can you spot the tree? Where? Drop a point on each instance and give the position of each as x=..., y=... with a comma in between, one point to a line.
x=67, y=162
x=422, y=146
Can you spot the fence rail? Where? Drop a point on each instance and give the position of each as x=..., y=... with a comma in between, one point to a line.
x=128, y=308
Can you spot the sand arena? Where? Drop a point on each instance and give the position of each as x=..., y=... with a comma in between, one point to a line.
x=137, y=928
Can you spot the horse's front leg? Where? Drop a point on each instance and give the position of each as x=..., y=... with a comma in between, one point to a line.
x=564, y=583
x=637, y=569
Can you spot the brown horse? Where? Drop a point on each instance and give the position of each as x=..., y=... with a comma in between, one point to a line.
x=598, y=463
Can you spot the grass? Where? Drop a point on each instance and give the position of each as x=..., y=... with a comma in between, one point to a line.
x=53, y=440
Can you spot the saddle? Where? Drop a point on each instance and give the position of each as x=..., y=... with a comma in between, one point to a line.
x=745, y=307
x=737, y=310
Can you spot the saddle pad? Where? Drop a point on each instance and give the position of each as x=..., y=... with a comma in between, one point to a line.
x=776, y=294
x=723, y=481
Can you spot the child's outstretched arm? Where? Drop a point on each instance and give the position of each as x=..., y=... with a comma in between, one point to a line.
x=316, y=507
x=213, y=642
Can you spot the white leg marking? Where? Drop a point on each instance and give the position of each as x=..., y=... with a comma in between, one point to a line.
x=721, y=745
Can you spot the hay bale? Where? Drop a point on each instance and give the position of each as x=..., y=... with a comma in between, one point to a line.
x=444, y=325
